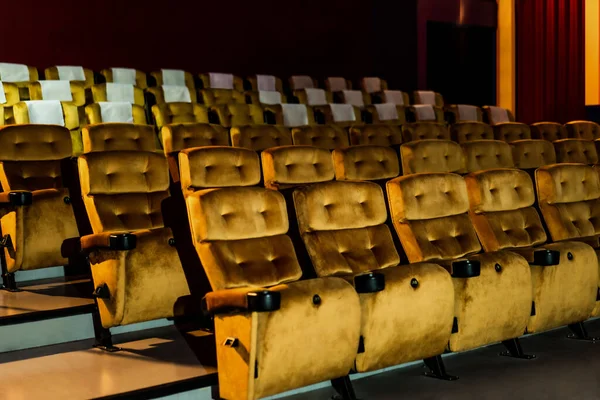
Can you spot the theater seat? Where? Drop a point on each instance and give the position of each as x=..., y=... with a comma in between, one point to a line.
x=427, y=113
x=313, y=97
x=376, y=134
x=128, y=76
x=176, y=113
x=576, y=151
x=530, y=154
x=229, y=115
x=344, y=115
x=222, y=81
x=497, y=115
x=36, y=214
x=465, y=113
x=170, y=94
x=265, y=82
x=258, y=299
x=424, y=130
x=119, y=136
x=172, y=77
x=326, y=136
x=79, y=74
x=65, y=91
x=260, y=137
x=9, y=96
x=431, y=155
x=511, y=131
x=486, y=154
x=298, y=82
x=373, y=85
x=569, y=200
x=462, y=132
x=117, y=92
x=492, y=291
x=19, y=74
x=212, y=97
x=387, y=113
x=119, y=112
x=131, y=251
x=583, y=130
x=337, y=84
x=365, y=163
x=428, y=97
x=264, y=97
x=564, y=283
x=354, y=97
x=550, y=131
x=285, y=167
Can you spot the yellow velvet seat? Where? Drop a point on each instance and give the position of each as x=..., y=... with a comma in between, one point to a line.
x=530, y=154
x=576, y=151
x=432, y=155
x=501, y=209
x=170, y=94
x=511, y=131
x=123, y=192
x=286, y=167
x=465, y=113
x=260, y=137
x=173, y=77
x=212, y=97
x=387, y=113
x=471, y=130
x=263, y=97
x=176, y=113
x=19, y=74
x=265, y=82
x=494, y=115
x=583, y=130
x=12, y=96
x=128, y=76
x=373, y=84
x=50, y=112
x=117, y=112
x=492, y=302
x=376, y=134
x=427, y=113
x=229, y=115
x=73, y=92
x=240, y=236
x=337, y=84
x=297, y=82
x=428, y=97
x=424, y=130
x=119, y=137
x=222, y=81
x=550, y=131
x=342, y=225
x=117, y=92
x=32, y=158
x=487, y=154
x=84, y=76
x=365, y=163
x=313, y=97
x=569, y=200
x=344, y=115
x=325, y=136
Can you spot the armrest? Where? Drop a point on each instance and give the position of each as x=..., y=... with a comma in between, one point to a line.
x=369, y=283
x=540, y=256
x=16, y=198
x=466, y=268
x=110, y=241
x=247, y=299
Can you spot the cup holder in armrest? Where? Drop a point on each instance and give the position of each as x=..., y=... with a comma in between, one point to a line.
x=20, y=198
x=264, y=301
x=369, y=283
x=545, y=257
x=466, y=269
x=123, y=241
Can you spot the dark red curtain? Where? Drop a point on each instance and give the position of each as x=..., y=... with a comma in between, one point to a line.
x=550, y=38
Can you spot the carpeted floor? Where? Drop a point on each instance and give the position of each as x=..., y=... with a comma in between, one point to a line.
x=564, y=369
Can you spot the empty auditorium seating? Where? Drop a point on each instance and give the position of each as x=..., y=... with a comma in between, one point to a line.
x=174, y=113
x=373, y=85
x=365, y=163
x=172, y=77
x=388, y=113
x=568, y=197
x=240, y=236
x=530, y=154
x=325, y=136
x=260, y=137
x=337, y=84
x=65, y=91
x=428, y=97
x=424, y=130
x=376, y=134
x=285, y=167
x=465, y=113
x=119, y=136
x=564, y=275
x=431, y=155
x=298, y=82
x=497, y=115
x=583, y=130
x=492, y=291
x=36, y=216
x=511, y=131
x=268, y=83
x=9, y=96
x=238, y=114
x=550, y=131
x=576, y=151
x=466, y=131
x=106, y=111
x=128, y=76
x=135, y=266
x=117, y=92
x=70, y=73
x=486, y=154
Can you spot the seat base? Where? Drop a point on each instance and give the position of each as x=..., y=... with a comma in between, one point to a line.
x=514, y=350
x=578, y=332
x=344, y=388
x=437, y=369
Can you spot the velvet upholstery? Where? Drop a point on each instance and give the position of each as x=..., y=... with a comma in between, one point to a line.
x=532, y=153
x=377, y=119
x=376, y=134
x=212, y=97
x=438, y=115
x=287, y=166
x=576, y=151
x=424, y=130
x=511, y=131
x=141, y=80
x=176, y=113
x=260, y=137
x=77, y=92
x=176, y=137
x=364, y=163
x=330, y=118
x=51, y=73
x=455, y=111
x=93, y=114
x=239, y=114
x=550, y=131
x=468, y=131
x=490, y=119
x=99, y=93
x=431, y=155
x=583, y=130
x=325, y=136
x=486, y=154
x=122, y=193
x=501, y=208
x=343, y=227
x=13, y=96
x=159, y=94
x=429, y=212
x=119, y=136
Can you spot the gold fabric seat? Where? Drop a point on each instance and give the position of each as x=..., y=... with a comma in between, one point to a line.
x=109, y=91
x=260, y=137
x=550, y=131
x=431, y=155
x=123, y=192
x=84, y=76
x=471, y=130
x=486, y=154
x=344, y=115
x=75, y=92
x=511, y=131
x=285, y=167
x=112, y=112
x=229, y=115
x=424, y=130
x=576, y=151
x=12, y=96
x=530, y=154
x=325, y=136
x=177, y=113
x=376, y=134
x=32, y=160
x=427, y=113
x=119, y=137
x=212, y=97
x=428, y=97
x=264, y=82
x=492, y=302
x=463, y=113
x=387, y=113
x=583, y=130
x=497, y=115
x=172, y=77
x=365, y=163
x=128, y=76
x=501, y=209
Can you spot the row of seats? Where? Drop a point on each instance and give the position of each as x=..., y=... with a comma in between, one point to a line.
x=451, y=295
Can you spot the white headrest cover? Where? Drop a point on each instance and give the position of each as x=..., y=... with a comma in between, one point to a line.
x=10, y=72
x=386, y=111
x=266, y=82
x=302, y=82
x=499, y=115
x=116, y=112
x=48, y=112
x=124, y=75
x=56, y=90
x=294, y=115
x=70, y=73
x=269, y=97
x=425, y=112
x=176, y=94
x=354, y=97
x=342, y=112
x=220, y=81
x=393, y=96
x=2, y=94
x=372, y=85
x=426, y=97
x=337, y=84
x=120, y=92
x=316, y=97
x=467, y=113
x=173, y=77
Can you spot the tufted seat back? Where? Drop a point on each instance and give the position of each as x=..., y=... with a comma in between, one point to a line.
x=424, y=130
x=325, y=136
x=583, y=130
x=239, y=114
x=212, y=97
x=511, y=131
x=431, y=156
x=569, y=198
x=376, y=134
x=550, y=131
x=260, y=137
x=486, y=154
x=343, y=227
x=471, y=130
x=429, y=212
x=365, y=163
x=532, y=153
x=93, y=113
x=176, y=113
x=176, y=137
x=576, y=151
x=100, y=93
x=288, y=166
x=501, y=208
x=118, y=136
